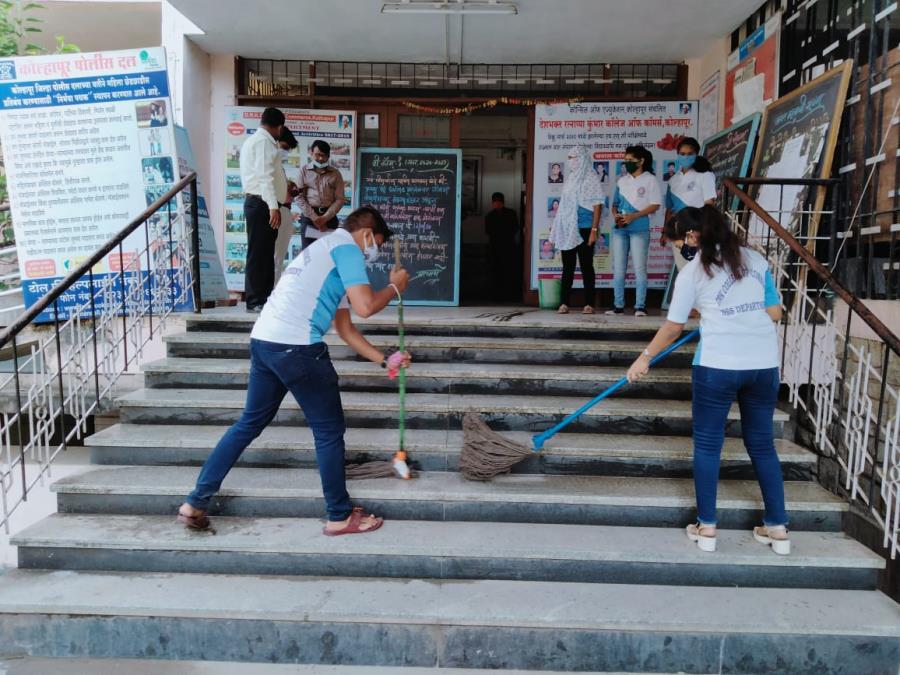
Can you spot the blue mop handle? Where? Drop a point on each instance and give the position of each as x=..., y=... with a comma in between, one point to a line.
x=540, y=439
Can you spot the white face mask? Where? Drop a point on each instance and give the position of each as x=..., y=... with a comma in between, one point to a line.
x=283, y=154
x=574, y=162
x=371, y=250
x=320, y=165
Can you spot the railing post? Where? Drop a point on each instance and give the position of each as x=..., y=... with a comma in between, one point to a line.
x=19, y=424
x=195, y=248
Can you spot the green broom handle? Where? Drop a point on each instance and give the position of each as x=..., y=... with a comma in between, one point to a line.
x=402, y=347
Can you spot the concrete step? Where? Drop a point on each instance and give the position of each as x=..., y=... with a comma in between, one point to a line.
x=434, y=411
x=436, y=378
x=28, y=665
x=428, y=348
x=445, y=550
x=464, y=321
x=430, y=450
x=475, y=624
x=517, y=498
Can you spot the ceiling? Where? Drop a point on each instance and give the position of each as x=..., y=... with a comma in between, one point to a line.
x=544, y=31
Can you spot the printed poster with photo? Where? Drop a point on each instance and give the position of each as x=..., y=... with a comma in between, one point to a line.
x=88, y=144
x=336, y=127
x=605, y=129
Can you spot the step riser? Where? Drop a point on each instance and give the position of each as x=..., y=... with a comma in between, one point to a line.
x=658, y=426
x=446, y=568
x=500, y=329
x=445, y=645
x=435, y=510
x=451, y=354
x=434, y=385
x=428, y=461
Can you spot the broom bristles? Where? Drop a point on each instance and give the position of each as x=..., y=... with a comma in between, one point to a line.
x=485, y=453
x=375, y=469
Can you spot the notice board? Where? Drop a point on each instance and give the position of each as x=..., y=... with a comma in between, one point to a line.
x=730, y=151
x=417, y=190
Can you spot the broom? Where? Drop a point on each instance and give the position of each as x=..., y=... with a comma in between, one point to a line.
x=486, y=454
x=397, y=467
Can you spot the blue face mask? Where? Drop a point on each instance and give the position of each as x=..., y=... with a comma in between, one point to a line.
x=686, y=161
x=320, y=165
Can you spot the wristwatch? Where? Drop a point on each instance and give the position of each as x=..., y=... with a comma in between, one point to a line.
x=384, y=363
x=647, y=354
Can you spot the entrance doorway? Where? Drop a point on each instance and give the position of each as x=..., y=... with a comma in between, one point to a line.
x=494, y=160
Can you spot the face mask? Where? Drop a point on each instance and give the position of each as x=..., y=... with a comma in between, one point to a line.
x=688, y=252
x=371, y=251
x=631, y=167
x=320, y=165
x=686, y=161
x=282, y=154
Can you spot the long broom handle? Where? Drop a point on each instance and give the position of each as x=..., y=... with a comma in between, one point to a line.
x=540, y=439
x=401, y=344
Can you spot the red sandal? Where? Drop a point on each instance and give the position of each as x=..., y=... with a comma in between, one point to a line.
x=199, y=522
x=353, y=527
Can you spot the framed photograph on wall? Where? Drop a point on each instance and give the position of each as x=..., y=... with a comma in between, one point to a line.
x=471, y=186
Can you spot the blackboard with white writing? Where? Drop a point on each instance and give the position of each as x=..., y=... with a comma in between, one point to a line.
x=418, y=193
x=729, y=152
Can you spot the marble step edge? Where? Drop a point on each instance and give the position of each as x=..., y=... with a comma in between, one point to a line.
x=431, y=403
x=448, y=540
x=499, y=604
x=424, y=440
x=454, y=371
x=435, y=486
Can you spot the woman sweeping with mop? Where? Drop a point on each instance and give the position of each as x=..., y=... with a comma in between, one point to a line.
x=737, y=358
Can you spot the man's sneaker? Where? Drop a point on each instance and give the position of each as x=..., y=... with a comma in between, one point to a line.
x=639, y=312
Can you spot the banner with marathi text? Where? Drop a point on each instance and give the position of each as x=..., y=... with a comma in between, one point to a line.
x=605, y=129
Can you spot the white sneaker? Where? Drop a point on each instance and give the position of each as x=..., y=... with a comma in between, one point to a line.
x=638, y=313
x=704, y=542
x=781, y=546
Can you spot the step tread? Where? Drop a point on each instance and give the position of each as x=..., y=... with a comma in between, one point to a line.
x=413, y=341
x=434, y=403
x=459, y=371
x=453, y=540
x=548, y=605
x=447, y=486
x=426, y=440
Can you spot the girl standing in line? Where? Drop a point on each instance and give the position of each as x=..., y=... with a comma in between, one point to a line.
x=694, y=184
x=737, y=358
x=576, y=226
x=637, y=197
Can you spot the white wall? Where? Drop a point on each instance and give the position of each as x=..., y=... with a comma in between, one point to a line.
x=702, y=68
x=98, y=26
x=221, y=94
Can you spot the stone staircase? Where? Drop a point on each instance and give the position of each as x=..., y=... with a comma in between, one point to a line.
x=575, y=562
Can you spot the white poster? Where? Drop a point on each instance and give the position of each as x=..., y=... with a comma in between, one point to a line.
x=606, y=129
x=709, y=107
x=336, y=127
x=212, y=277
x=88, y=143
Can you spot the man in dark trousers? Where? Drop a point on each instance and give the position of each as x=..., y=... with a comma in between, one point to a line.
x=502, y=224
x=265, y=188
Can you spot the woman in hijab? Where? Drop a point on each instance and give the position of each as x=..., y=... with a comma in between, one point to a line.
x=576, y=225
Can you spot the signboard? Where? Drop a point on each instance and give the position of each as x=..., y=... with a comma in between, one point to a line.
x=730, y=151
x=797, y=140
x=88, y=144
x=418, y=191
x=751, y=81
x=709, y=107
x=336, y=127
x=605, y=129
x=212, y=277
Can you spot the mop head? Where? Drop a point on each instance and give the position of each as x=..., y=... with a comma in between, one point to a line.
x=485, y=453
x=396, y=468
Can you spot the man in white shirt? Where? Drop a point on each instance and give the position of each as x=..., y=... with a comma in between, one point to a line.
x=265, y=187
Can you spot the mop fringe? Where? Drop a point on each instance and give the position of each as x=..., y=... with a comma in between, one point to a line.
x=485, y=453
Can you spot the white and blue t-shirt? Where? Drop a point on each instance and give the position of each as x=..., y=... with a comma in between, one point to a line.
x=736, y=333
x=636, y=194
x=689, y=188
x=314, y=286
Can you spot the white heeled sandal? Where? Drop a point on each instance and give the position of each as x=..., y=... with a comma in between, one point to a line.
x=781, y=546
x=704, y=542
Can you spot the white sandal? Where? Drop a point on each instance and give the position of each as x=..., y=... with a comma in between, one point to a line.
x=779, y=546
x=704, y=542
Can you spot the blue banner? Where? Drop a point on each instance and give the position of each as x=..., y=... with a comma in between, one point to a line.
x=83, y=90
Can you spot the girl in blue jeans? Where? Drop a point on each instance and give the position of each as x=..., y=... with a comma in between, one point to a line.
x=737, y=359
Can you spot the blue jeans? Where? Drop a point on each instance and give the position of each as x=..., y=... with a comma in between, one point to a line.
x=756, y=392
x=275, y=369
x=639, y=245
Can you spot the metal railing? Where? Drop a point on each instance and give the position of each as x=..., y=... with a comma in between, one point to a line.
x=70, y=349
x=839, y=360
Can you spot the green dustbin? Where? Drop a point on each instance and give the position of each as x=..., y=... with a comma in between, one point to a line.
x=548, y=293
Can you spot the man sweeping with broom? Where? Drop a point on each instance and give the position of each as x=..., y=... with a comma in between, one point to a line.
x=288, y=354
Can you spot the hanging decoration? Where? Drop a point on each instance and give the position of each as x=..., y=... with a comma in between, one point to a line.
x=490, y=103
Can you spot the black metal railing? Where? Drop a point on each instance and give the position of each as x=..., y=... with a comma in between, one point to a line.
x=71, y=347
